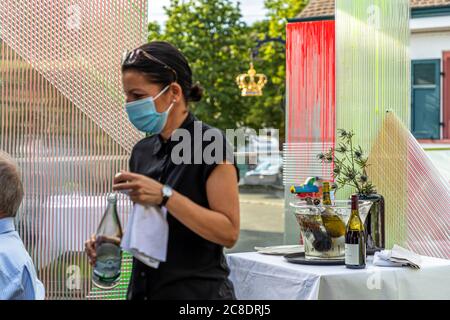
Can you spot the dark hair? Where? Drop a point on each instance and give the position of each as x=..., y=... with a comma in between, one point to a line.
x=157, y=73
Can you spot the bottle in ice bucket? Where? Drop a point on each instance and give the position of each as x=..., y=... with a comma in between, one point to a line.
x=106, y=274
x=332, y=222
x=326, y=199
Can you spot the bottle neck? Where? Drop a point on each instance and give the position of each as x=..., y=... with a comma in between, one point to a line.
x=355, y=207
x=355, y=213
x=326, y=198
x=355, y=204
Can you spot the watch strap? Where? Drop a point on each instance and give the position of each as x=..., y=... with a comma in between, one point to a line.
x=165, y=198
x=164, y=201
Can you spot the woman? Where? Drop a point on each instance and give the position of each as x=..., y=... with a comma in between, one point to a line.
x=201, y=199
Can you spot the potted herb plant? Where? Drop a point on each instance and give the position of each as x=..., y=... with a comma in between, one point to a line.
x=350, y=164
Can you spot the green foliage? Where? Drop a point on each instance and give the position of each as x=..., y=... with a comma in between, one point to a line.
x=268, y=111
x=350, y=164
x=217, y=43
x=213, y=37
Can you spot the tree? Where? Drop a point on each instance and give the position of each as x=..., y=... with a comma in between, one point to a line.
x=213, y=37
x=217, y=44
x=268, y=111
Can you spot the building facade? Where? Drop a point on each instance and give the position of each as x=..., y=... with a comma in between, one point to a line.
x=430, y=64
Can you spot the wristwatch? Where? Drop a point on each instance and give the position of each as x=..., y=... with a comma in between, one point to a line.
x=166, y=193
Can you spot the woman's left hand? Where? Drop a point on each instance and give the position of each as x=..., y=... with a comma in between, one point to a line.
x=141, y=189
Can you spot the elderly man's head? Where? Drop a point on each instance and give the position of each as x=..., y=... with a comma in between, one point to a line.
x=11, y=188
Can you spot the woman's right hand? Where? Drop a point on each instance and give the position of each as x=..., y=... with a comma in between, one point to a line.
x=89, y=247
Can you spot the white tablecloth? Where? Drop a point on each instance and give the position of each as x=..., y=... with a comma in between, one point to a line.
x=65, y=222
x=263, y=277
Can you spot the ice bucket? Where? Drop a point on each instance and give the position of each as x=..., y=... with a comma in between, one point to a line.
x=323, y=227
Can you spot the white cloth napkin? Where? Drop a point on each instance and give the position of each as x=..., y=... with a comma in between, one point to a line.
x=147, y=235
x=397, y=257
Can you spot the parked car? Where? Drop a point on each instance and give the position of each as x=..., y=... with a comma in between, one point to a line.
x=267, y=172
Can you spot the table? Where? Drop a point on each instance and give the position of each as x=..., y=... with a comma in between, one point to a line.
x=262, y=277
x=65, y=222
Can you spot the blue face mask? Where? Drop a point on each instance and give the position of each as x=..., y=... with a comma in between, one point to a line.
x=143, y=115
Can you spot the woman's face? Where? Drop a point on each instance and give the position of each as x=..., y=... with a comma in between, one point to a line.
x=137, y=87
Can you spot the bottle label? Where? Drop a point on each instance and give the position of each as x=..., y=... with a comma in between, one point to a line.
x=108, y=269
x=352, y=254
x=109, y=260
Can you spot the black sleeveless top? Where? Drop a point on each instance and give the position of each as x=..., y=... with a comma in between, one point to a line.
x=195, y=267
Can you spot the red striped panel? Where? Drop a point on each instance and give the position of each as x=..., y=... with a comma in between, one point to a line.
x=310, y=73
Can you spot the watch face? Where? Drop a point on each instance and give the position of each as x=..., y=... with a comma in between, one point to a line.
x=167, y=191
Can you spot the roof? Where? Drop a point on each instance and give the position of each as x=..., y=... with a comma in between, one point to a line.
x=325, y=8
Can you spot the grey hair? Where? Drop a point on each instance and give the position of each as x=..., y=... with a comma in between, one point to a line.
x=11, y=187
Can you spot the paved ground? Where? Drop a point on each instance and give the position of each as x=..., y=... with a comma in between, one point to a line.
x=262, y=219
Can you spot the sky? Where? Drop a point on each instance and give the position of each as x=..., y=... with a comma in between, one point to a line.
x=252, y=10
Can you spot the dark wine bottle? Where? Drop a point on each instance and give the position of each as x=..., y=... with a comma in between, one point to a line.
x=355, y=242
x=106, y=273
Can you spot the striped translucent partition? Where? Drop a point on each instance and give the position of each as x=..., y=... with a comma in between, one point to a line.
x=372, y=64
x=62, y=119
x=426, y=226
x=310, y=117
x=372, y=76
x=300, y=162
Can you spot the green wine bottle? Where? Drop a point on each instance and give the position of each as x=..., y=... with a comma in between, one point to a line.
x=355, y=242
x=332, y=222
x=326, y=199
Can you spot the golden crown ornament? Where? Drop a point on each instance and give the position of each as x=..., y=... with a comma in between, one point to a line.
x=251, y=83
